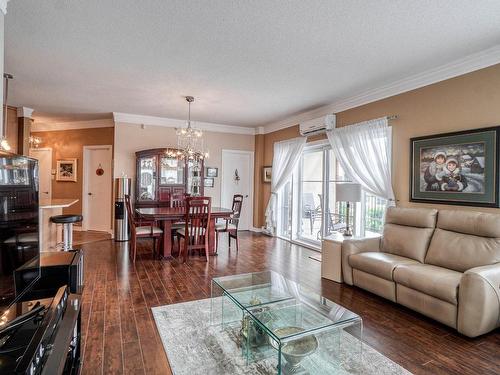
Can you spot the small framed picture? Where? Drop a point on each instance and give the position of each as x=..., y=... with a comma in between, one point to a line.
x=267, y=174
x=208, y=182
x=212, y=171
x=67, y=170
x=456, y=168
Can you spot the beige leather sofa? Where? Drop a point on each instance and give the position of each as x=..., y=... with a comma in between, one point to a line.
x=445, y=265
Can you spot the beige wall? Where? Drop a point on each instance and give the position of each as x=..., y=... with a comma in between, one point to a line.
x=466, y=102
x=130, y=138
x=69, y=144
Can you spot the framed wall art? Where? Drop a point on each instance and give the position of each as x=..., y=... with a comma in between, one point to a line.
x=208, y=182
x=267, y=174
x=67, y=170
x=456, y=168
x=212, y=171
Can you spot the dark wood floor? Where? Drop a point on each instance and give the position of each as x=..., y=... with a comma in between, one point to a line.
x=120, y=335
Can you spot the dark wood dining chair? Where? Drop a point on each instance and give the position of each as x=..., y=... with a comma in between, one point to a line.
x=230, y=225
x=141, y=228
x=196, y=227
x=177, y=200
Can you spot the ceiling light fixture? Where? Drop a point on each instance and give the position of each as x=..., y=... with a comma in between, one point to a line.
x=190, y=139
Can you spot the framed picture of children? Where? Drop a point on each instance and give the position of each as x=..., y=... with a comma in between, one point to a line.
x=456, y=168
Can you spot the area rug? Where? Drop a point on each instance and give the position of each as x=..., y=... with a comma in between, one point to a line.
x=194, y=346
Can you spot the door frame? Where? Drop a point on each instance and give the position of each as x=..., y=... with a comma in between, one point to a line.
x=51, y=162
x=252, y=177
x=85, y=187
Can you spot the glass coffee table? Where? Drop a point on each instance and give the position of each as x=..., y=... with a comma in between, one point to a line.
x=301, y=331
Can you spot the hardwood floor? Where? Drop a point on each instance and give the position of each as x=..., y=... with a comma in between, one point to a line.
x=119, y=335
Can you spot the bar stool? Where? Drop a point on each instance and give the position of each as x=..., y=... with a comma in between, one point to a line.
x=67, y=221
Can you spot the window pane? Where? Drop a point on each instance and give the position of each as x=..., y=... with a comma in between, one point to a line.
x=284, y=211
x=374, y=213
x=311, y=189
x=337, y=211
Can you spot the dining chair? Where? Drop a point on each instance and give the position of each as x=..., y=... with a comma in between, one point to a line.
x=196, y=226
x=141, y=228
x=230, y=225
x=177, y=200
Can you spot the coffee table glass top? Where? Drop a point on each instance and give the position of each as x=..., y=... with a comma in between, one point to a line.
x=274, y=301
x=305, y=314
x=256, y=289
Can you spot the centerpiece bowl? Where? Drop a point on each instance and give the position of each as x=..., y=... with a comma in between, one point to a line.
x=296, y=350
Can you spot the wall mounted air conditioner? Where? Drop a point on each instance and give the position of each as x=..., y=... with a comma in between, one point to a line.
x=317, y=125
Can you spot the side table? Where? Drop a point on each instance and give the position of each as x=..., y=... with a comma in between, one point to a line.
x=331, y=257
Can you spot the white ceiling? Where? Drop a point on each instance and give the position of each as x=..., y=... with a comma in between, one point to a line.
x=247, y=62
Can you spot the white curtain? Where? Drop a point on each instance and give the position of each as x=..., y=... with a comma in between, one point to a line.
x=286, y=155
x=364, y=151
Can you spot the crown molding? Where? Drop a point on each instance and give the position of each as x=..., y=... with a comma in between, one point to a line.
x=61, y=126
x=25, y=112
x=470, y=63
x=3, y=6
x=176, y=123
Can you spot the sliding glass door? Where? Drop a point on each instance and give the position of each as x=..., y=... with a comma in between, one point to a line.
x=307, y=207
x=310, y=189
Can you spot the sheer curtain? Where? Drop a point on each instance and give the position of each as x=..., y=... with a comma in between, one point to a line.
x=286, y=155
x=364, y=151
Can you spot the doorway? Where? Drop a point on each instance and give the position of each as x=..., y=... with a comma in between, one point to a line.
x=237, y=178
x=44, y=157
x=97, y=188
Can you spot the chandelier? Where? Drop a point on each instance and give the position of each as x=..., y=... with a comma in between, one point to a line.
x=190, y=140
x=34, y=141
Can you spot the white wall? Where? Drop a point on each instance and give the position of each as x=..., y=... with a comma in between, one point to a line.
x=130, y=138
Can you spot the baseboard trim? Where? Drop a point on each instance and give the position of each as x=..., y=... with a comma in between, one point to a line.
x=255, y=229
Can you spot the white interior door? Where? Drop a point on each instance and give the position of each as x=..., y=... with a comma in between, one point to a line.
x=97, y=188
x=237, y=178
x=44, y=157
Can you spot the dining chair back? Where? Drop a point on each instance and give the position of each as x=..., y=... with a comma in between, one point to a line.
x=140, y=228
x=178, y=200
x=230, y=225
x=237, y=204
x=196, y=229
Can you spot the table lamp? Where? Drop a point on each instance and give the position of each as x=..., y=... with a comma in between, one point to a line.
x=348, y=192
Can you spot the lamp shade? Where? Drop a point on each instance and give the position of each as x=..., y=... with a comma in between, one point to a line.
x=348, y=192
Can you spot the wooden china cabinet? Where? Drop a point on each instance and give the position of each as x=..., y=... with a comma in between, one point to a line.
x=159, y=176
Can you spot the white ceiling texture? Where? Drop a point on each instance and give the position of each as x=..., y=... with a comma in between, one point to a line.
x=247, y=62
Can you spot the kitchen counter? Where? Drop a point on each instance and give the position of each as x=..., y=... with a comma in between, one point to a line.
x=57, y=202
x=50, y=233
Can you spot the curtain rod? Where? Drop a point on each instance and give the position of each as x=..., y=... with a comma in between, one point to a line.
x=392, y=117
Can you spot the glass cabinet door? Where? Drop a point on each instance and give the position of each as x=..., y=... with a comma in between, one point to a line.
x=171, y=171
x=147, y=179
x=194, y=177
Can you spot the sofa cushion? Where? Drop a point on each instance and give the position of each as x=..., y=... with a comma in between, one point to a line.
x=408, y=232
x=408, y=242
x=435, y=281
x=412, y=217
x=469, y=222
x=461, y=252
x=378, y=264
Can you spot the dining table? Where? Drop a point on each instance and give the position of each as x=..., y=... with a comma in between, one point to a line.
x=166, y=216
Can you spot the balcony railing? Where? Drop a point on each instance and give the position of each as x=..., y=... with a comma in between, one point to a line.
x=374, y=213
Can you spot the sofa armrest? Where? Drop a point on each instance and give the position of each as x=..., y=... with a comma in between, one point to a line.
x=479, y=300
x=356, y=246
